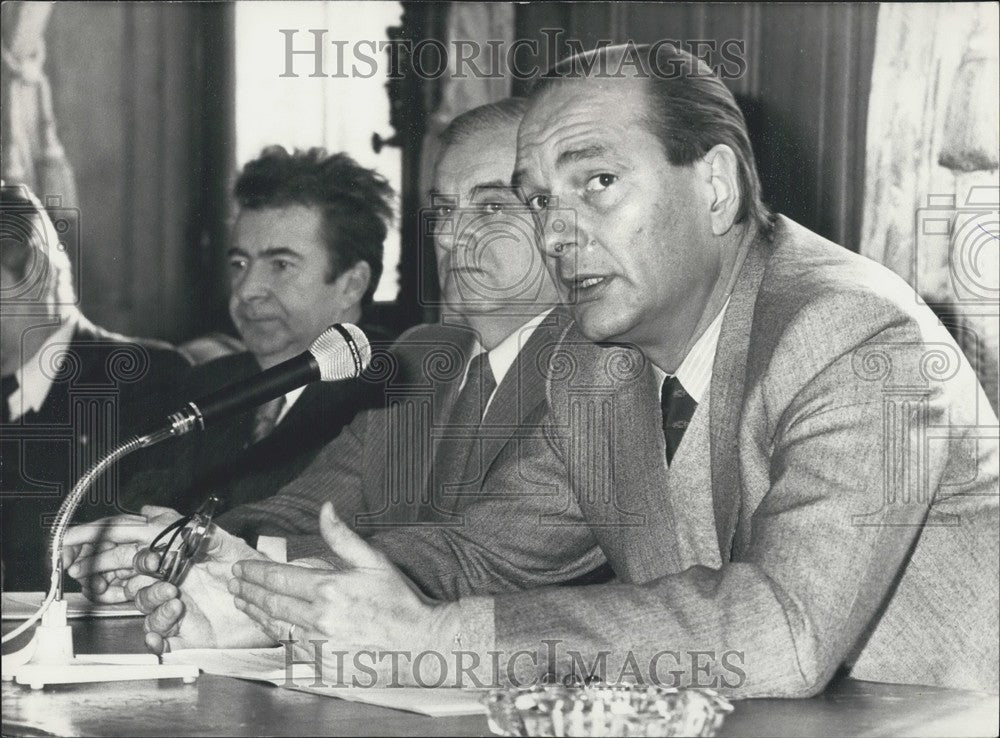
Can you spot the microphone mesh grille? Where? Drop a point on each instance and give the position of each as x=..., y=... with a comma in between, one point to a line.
x=339, y=357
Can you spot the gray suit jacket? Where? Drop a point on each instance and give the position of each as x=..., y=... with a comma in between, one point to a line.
x=378, y=474
x=833, y=503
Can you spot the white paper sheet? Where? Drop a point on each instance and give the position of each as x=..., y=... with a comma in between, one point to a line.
x=22, y=605
x=268, y=665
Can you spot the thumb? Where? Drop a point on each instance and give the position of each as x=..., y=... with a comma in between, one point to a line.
x=225, y=547
x=347, y=544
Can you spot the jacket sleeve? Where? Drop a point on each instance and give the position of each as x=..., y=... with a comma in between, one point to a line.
x=820, y=558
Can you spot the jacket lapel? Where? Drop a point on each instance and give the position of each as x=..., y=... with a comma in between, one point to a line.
x=728, y=391
x=517, y=397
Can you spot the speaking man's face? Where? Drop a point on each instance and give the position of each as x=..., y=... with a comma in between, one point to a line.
x=280, y=294
x=485, y=240
x=639, y=262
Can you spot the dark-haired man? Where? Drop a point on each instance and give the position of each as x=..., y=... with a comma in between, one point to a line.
x=784, y=456
x=70, y=390
x=306, y=252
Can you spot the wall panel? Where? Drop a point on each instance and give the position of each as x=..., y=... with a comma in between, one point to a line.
x=804, y=92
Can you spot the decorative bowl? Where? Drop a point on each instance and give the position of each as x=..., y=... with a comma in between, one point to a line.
x=604, y=710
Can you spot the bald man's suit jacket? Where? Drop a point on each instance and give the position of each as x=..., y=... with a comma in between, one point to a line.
x=378, y=471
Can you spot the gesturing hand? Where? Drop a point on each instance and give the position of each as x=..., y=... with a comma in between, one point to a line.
x=369, y=605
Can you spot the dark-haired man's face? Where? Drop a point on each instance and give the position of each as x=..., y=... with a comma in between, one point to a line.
x=280, y=299
x=640, y=263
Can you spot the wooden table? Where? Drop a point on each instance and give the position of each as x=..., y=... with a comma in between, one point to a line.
x=222, y=706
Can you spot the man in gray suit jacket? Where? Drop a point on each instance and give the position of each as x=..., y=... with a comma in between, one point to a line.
x=784, y=456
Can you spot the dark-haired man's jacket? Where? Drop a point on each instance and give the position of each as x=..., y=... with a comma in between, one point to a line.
x=226, y=460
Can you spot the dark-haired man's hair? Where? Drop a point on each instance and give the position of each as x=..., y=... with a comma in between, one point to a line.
x=355, y=202
x=485, y=117
x=690, y=110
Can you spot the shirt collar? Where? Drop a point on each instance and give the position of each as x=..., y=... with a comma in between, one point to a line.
x=695, y=371
x=290, y=398
x=503, y=356
x=33, y=384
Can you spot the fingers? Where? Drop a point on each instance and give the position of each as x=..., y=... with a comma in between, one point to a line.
x=294, y=581
x=165, y=620
x=277, y=630
x=347, y=544
x=155, y=511
x=117, y=529
x=275, y=605
x=136, y=584
x=148, y=599
x=109, y=560
x=156, y=643
x=146, y=562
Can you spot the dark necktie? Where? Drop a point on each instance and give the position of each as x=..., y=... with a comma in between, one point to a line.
x=8, y=385
x=678, y=409
x=466, y=416
x=479, y=386
x=266, y=418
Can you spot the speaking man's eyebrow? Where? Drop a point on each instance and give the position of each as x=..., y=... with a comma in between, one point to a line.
x=582, y=154
x=279, y=251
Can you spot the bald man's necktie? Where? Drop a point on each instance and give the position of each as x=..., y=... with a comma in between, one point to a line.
x=266, y=417
x=462, y=427
x=678, y=409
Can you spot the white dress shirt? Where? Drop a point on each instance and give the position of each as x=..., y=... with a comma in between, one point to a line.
x=502, y=357
x=695, y=371
x=34, y=383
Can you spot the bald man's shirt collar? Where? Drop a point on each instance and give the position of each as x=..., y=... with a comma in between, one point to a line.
x=502, y=357
x=34, y=383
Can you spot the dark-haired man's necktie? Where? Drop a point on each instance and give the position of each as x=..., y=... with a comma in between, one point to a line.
x=266, y=417
x=678, y=409
x=8, y=386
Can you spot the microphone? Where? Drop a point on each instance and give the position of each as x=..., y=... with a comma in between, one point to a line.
x=341, y=352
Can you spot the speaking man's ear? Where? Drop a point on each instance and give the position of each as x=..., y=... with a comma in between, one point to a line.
x=722, y=170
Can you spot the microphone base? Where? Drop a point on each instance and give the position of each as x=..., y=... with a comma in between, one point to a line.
x=53, y=661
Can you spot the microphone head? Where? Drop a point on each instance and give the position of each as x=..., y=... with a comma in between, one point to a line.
x=342, y=352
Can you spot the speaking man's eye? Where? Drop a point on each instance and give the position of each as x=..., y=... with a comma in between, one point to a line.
x=600, y=182
x=538, y=202
x=237, y=264
x=492, y=208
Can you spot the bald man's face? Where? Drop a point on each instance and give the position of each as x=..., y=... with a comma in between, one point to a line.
x=640, y=264
x=487, y=251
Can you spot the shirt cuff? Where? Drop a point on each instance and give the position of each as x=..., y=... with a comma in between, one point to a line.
x=478, y=631
x=274, y=547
